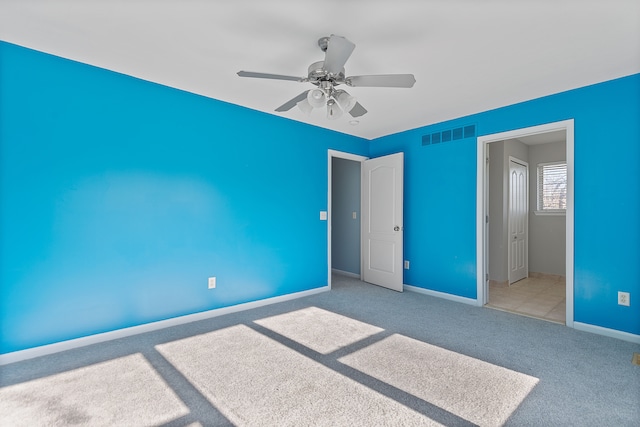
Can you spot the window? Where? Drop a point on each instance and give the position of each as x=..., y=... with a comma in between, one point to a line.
x=552, y=188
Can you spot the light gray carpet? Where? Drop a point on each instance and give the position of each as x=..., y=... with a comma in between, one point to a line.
x=481, y=392
x=121, y=391
x=256, y=381
x=358, y=355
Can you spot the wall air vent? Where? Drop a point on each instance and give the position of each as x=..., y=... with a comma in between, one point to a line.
x=470, y=131
x=449, y=135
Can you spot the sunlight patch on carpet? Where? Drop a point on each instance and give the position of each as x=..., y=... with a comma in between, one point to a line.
x=318, y=329
x=255, y=381
x=126, y=391
x=480, y=392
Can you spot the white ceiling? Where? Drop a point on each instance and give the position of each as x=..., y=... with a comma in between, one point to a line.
x=467, y=56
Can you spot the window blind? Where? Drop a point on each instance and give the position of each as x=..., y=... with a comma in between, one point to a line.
x=552, y=186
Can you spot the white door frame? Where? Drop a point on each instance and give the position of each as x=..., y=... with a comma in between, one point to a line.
x=340, y=155
x=482, y=206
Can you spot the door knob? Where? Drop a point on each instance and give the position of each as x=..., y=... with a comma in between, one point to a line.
x=396, y=228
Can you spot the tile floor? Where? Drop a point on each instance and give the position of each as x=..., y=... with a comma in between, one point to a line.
x=540, y=297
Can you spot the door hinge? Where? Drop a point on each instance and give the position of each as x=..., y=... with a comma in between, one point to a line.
x=487, y=160
x=486, y=219
x=486, y=277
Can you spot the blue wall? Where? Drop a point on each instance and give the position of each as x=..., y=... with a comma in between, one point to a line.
x=440, y=197
x=120, y=197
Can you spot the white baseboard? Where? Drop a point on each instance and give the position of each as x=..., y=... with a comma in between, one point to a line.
x=625, y=336
x=443, y=295
x=345, y=273
x=44, y=350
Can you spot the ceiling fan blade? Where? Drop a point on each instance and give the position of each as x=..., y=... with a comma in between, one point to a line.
x=289, y=104
x=382, y=80
x=358, y=110
x=338, y=51
x=269, y=76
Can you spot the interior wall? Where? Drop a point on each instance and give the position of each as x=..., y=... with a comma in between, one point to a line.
x=345, y=229
x=440, y=206
x=547, y=244
x=514, y=148
x=120, y=197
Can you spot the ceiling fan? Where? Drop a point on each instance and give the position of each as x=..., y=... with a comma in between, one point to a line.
x=328, y=74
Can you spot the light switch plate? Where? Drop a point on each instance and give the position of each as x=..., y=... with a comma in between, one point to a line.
x=323, y=215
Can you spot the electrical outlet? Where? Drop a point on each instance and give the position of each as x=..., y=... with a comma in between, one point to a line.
x=623, y=298
x=212, y=282
x=406, y=265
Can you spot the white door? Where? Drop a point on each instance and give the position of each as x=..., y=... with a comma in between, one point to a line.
x=382, y=230
x=518, y=220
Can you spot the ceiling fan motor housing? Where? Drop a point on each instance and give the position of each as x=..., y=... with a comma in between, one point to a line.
x=317, y=73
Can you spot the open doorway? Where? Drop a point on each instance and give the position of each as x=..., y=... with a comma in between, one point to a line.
x=345, y=217
x=344, y=241
x=545, y=290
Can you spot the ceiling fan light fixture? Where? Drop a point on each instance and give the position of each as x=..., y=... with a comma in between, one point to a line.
x=316, y=98
x=305, y=107
x=345, y=101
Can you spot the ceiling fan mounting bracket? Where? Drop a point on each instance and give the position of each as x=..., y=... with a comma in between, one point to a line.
x=323, y=42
